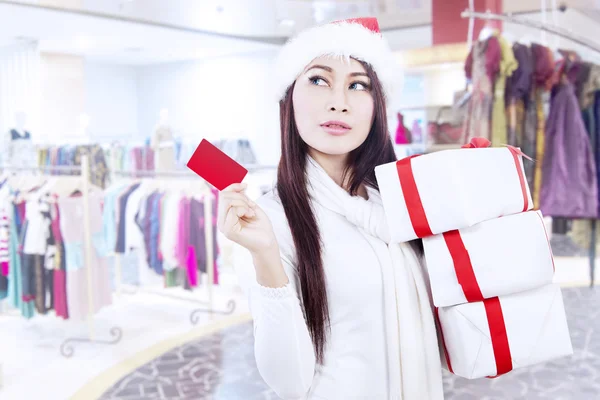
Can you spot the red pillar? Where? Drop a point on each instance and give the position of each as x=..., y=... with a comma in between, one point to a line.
x=449, y=27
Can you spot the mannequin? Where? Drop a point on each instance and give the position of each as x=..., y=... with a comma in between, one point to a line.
x=21, y=151
x=163, y=145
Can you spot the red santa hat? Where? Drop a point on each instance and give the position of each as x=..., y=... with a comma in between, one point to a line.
x=359, y=38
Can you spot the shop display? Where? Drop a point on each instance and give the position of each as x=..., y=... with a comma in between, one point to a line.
x=164, y=223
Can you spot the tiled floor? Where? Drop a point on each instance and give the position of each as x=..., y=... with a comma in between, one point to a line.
x=222, y=367
x=29, y=349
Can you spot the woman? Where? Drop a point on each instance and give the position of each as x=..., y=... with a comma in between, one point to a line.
x=339, y=312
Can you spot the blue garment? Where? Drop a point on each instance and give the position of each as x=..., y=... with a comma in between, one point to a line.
x=155, y=261
x=15, y=295
x=75, y=255
x=120, y=244
x=109, y=216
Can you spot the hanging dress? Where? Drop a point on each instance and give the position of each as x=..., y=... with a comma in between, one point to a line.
x=508, y=65
x=402, y=133
x=481, y=67
x=15, y=279
x=569, y=187
x=544, y=69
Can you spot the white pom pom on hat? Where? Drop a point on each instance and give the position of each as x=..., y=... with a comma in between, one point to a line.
x=359, y=38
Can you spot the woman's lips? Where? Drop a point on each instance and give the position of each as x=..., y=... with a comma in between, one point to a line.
x=335, y=127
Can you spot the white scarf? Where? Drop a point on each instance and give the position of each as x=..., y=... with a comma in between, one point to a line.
x=413, y=352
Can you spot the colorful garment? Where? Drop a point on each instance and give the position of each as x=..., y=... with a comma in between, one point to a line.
x=15, y=294
x=481, y=67
x=508, y=64
x=569, y=181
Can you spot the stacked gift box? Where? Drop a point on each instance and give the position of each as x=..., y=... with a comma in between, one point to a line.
x=487, y=252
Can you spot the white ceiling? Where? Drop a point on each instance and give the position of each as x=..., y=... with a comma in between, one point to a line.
x=139, y=32
x=105, y=39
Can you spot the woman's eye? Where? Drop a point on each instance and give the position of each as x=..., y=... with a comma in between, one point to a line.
x=317, y=80
x=359, y=86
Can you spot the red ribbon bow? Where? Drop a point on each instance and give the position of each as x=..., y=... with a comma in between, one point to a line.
x=477, y=143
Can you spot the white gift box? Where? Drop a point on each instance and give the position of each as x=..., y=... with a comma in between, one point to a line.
x=493, y=258
x=456, y=188
x=535, y=326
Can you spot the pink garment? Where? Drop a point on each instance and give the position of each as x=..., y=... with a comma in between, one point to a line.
x=149, y=158
x=4, y=268
x=400, y=131
x=71, y=212
x=55, y=224
x=183, y=232
x=192, y=267
x=60, y=294
x=215, y=274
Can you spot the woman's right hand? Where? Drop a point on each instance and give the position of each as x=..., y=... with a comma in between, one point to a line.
x=243, y=221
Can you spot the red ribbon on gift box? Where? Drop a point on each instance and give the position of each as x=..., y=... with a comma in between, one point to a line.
x=412, y=198
x=461, y=258
x=498, y=335
x=468, y=281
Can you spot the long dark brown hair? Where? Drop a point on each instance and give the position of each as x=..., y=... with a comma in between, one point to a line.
x=291, y=187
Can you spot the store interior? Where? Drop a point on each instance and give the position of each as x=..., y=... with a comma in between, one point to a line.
x=111, y=98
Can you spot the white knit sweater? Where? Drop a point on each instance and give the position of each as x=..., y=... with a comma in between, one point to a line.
x=383, y=343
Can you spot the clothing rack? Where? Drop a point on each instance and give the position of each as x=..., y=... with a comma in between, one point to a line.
x=66, y=348
x=565, y=34
x=553, y=29
x=208, y=229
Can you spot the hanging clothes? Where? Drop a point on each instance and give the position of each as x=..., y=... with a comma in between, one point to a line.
x=543, y=72
x=164, y=148
x=78, y=298
x=98, y=166
x=508, y=64
x=402, y=132
x=15, y=279
x=522, y=115
x=569, y=187
x=4, y=239
x=518, y=88
x=590, y=87
x=481, y=67
x=60, y=274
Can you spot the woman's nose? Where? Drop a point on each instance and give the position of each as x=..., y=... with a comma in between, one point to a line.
x=338, y=101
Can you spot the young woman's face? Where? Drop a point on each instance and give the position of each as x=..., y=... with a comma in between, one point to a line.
x=333, y=105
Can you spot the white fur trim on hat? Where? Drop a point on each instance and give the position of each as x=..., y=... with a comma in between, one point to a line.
x=345, y=39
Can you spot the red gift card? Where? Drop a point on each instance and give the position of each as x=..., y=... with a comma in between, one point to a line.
x=216, y=167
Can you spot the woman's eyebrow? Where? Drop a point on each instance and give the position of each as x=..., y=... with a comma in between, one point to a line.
x=324, y=67
x=359, y=74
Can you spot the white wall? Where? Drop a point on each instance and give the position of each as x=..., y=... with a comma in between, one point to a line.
x=111, y=102
x=409, y=38
x=19, y=86
x=62, y=97
x=219, y=98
